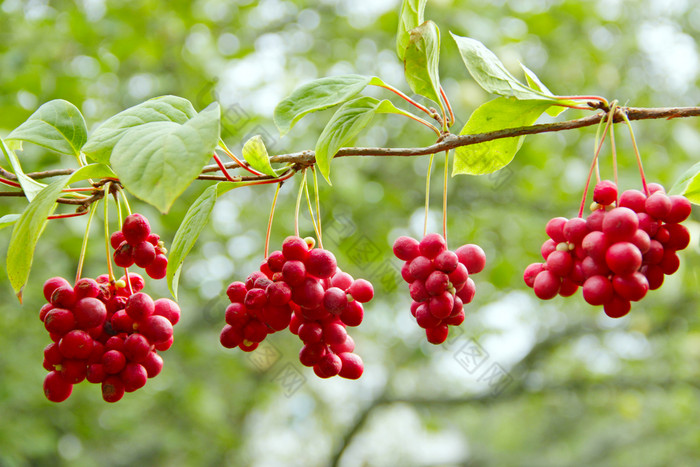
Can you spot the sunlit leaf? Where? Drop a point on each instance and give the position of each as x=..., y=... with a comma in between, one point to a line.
x=421, y=61
x=255, y=153
x=410, y=17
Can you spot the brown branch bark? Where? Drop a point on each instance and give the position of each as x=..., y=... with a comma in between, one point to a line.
x=447, y=142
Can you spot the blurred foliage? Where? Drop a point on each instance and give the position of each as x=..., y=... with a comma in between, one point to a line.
x=578, y=388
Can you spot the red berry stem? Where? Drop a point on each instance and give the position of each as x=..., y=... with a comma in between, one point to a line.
x=318, y=208
x=427, y=194
x=636, y=153
x=296, y=211
x=126, y=202
x=110, y=271
x=449, y=107
x=613, y=108
x=590, y=172
x=83, y=247
x=311, y=212
x=269, y=222
x=444, y=195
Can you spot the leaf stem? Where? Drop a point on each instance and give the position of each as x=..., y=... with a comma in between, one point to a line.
x=223, y=169
x=237, y=160
x=424, y=122
x=449, y=107
x=10, y=183
x=83, y=247
x=405, y=97
x=66, y=216
x=269, y=222
x=636, y=153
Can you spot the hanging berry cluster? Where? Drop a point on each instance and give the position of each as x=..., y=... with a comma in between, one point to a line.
x=619, y=252
x=300, y=287
x=439, y=281
x=107, y=333
x=136, y=244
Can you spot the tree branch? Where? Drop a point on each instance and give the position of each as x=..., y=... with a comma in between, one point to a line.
x=445, y=143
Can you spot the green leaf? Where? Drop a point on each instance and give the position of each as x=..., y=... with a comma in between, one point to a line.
x=157, y=161
x=688, y=184
x=535, y=83
x=196, y=218
x=8, y=220
x=497, y=114
x=346, y=123
x=100, y=144
x=421, y=61
x=317, y=95
x=57, y=125
x=30, y=186
x=488, y=71
x=411, y=16
x=31, y=223
x=255, y=153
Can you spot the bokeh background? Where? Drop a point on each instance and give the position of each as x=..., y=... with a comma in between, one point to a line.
x=521, y=382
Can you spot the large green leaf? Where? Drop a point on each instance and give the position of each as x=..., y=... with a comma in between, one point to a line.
x=317, y=95
x=345, y=125
x=196, y=218
x=421, y=61
x=411, y=16
x=255, y=153
x=157, y=161
x=497, y=114
x=30, y=186
x=488, y=71
x=31, y=223
x=688, y=184
x=101, y=142
x=57, y=125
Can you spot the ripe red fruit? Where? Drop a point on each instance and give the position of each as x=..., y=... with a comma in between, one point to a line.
x=555, y=230
x=294, y=272
x=575, y=229
x=123, y=256
x=309, y=294
x=96, y=373
x=157, y=329
x=63, y=297
x=168, y=308
x=473, y=257
x=361, y=290
x=446, y=261
x=295, y=248
x=116, y=239
x=134, y=376
x=158, y=268
x=342, y=280
x=617, y=307
x=139, y=306
x=353, y=314
x=136, y=229
x=441, y=305
x=59, y=321
x=143, y=253
x=230, y=336
x=620, y=224
x=328, y=366
x=605, y=192
x=278, y=293
x=658, y=205
x=436, y=283
x=89, y=313
x=335, y=300
x=633, y=199
x=425, y=318
x=153, y=364
x=76, y=344
x=420, y=267
x=531, y=273
x=432, y=245
x=680, y=209
x=597, y=290
x=320, y=263
x=546, y=285
x=86, y=288
x=112, y=389
x=623, y=258
x=311, y=354
x=52, y=284
x=136, y=348
x=406, y=248
x=73, y=371
x=438, y=334
x=560, y=263
x=236, y=292
x=631, y=287
x=334, y=333
x=113, y=361
x=56, y=389
x=352, y=366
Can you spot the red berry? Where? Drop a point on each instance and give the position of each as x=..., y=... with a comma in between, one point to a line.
x=320, y=263
x=112, y=389
x=63, y=297
x=353, y=314
x=311, y=354
x=617, y=307
x=168, y=308
x=560, y=263
x=136, y=229
x=278, y=293
x=623, y=258
x=335, y=300
x=123, y=255
x=605, y=192
x=52, y=284
x=158, y=268
x=473, y=257
x=76, y=344
x=334, y=333
x=555, y=230
x=153, y=364
x=59, y=321
x=56, y=389
x=236, y=292
x=680, y=209
x=157, y=329
x=436, y=283
x=134, y=376
x=466, y=293
x=113, y=361
x=438, y=334
x=96, y=373
x=575, y=229
x=361, y=290
x=342, y=280
x=86, y=288
x=546, y=285
x=328, y=366
x=420, y=267
x=352, y=366
x=143, y=253
x=116, y=239
x=597, y=290
x=295, y=248
x=406, y=248
x=631, y=287
x=633, y=199
x=531, y=273
x=446, y=261
x=139, y=306
x=136, y=348
x=432, y=245
x=441, y=305
x=620, y=224
x=294, y=272
x=309, y=294
x=89, y=313
x=230, y=336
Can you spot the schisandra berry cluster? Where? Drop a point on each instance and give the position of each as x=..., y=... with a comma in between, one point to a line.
x=617, y=253
x=109, y=334
x=301, y=288
x=136, y=244
x=439, y=281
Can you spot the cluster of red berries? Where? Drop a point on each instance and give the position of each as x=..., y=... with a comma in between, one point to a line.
x=619, y=252
x=107, y=333
x=301, y=288
x=136, y=244
x=439, y=281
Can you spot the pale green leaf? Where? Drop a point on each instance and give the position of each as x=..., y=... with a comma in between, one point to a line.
x=255, y=153
x=421, y=61
x=688, y=184
x=317, y=95
x=535, y=83
x=497, y=114
x=57, y=125
x=30, y=186
x=8, y=220
x=101, y=142
x=157, y=161
x=411, y=17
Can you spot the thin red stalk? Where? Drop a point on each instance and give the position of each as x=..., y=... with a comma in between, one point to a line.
x=269, y=222
x=590, y=172
x=223, y=169
x=10, y=183
x=444, y=196
x=585, y=98
x=239, y=162
x=612, y=143
x=405, y=97
x=636, y=153
x=424, y=122
x=65, y=216
x=447, y=104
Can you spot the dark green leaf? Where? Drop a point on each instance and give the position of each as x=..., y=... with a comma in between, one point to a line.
x=57, y=125
x=255, y=153
x=191, y=227
x=411, y=16
x=317, y=95
x=421, y=61
x=497, y=114
x=30, y=186
x=159, y=109
x=157, y=161
x=31, y=223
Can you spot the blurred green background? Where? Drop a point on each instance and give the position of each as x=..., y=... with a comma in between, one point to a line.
x=521, y=382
